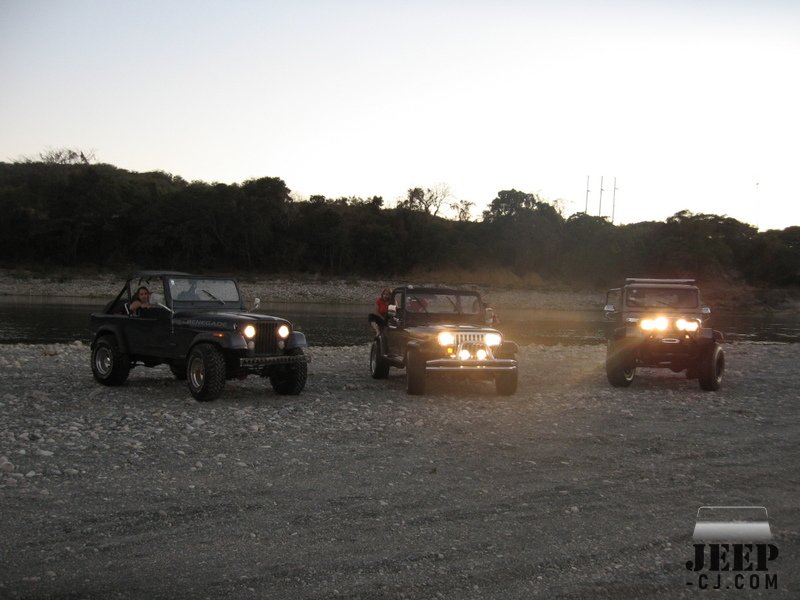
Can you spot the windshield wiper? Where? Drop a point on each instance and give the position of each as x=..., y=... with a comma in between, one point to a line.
x=214, y=297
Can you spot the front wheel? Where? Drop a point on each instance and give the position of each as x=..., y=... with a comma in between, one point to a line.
x=205, y=372
x=110, y=366
x=415, y=373
x=289, y=380
x=711, y=368
x=378, y=365
x=505, y=382
x=620, y=367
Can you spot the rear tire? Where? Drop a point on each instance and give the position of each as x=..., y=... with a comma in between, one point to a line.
x=620, y=366
x=110, y=366
x=712, y=368
x=415, y=373
x=378, y=365
x=205, y=372
x=289, y=380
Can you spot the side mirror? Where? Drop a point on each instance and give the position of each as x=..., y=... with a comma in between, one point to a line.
x=256, y=303
x=489, y=317
x=392, y=310
x=705, y=310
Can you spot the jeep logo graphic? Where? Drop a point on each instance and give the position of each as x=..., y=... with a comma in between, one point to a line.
x=722, y=559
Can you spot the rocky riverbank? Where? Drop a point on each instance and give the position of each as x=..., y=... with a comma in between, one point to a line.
x=291, y=289
x=721, y=296
x=568, y=489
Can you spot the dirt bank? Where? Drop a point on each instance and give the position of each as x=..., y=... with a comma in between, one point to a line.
x=569, y=489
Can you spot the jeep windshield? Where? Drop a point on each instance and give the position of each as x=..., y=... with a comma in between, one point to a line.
x=660, y=297
x=194, y=291
x=442, y=304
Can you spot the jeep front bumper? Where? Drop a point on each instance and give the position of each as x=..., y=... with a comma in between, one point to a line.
x=261, y=361
x=454, y=365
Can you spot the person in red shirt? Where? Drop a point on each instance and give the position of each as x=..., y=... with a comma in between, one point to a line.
x=378, y=316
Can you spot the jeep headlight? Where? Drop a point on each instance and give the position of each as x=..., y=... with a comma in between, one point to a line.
x=657, y=324
x=687, y=324
x=492, y=339
x=283, y=332
x=249, y=332
x=446, y=338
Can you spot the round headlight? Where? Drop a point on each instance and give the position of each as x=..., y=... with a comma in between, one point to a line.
x=283, y=332
x=492, y=339
x=446, y=338
x=687, y=325
x=249, y=332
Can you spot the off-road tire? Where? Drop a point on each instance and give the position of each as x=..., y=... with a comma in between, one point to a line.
x=378, y=365
x=205, y=372
x=289, y=380
x=415, y=373
x=711, y=368
x=505, y=382
x=110, y=366
x=620, y=367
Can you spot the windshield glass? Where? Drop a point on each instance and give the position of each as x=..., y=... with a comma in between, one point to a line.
x=443, y=304
x=219, y=291
x=661, y=298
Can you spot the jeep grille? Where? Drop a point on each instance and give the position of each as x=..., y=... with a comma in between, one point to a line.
x=266, y=338
x=466, y=338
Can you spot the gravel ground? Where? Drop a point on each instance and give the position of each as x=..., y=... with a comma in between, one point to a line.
x=568, y=489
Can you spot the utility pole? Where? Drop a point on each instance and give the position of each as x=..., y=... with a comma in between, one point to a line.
x=600, y=208
x=614, y=200
x=586, y=210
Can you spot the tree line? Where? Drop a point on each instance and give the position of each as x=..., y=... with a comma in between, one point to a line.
x=67, y=211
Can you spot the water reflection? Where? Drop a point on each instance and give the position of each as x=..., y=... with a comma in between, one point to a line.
x=40, y=320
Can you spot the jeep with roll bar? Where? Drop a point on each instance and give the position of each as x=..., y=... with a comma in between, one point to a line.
x=661, y=323
x=443, y=331
x=200, y=327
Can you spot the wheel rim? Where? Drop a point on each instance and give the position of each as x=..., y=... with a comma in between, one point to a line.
x=628, y=373
x=373, y=359
x=104, y=360
x=719, y=367
x=197, y=372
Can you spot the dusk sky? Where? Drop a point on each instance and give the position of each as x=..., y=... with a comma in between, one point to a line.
x=690, y=105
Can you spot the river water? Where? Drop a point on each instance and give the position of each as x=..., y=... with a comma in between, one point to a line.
x=26, y=319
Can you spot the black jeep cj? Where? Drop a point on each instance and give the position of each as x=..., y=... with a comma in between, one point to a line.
x=199, y=327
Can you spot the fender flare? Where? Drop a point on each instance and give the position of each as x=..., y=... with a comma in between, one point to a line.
x=113, y=330
x=296, y=339
x=223, y=340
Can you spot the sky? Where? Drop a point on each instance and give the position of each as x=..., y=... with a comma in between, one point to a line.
x=686, y=104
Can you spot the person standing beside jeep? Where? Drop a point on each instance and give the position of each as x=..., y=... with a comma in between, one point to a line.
x=378, y=317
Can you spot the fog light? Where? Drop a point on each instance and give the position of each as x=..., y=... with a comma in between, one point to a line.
x=464, y=355
x=481, y=354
